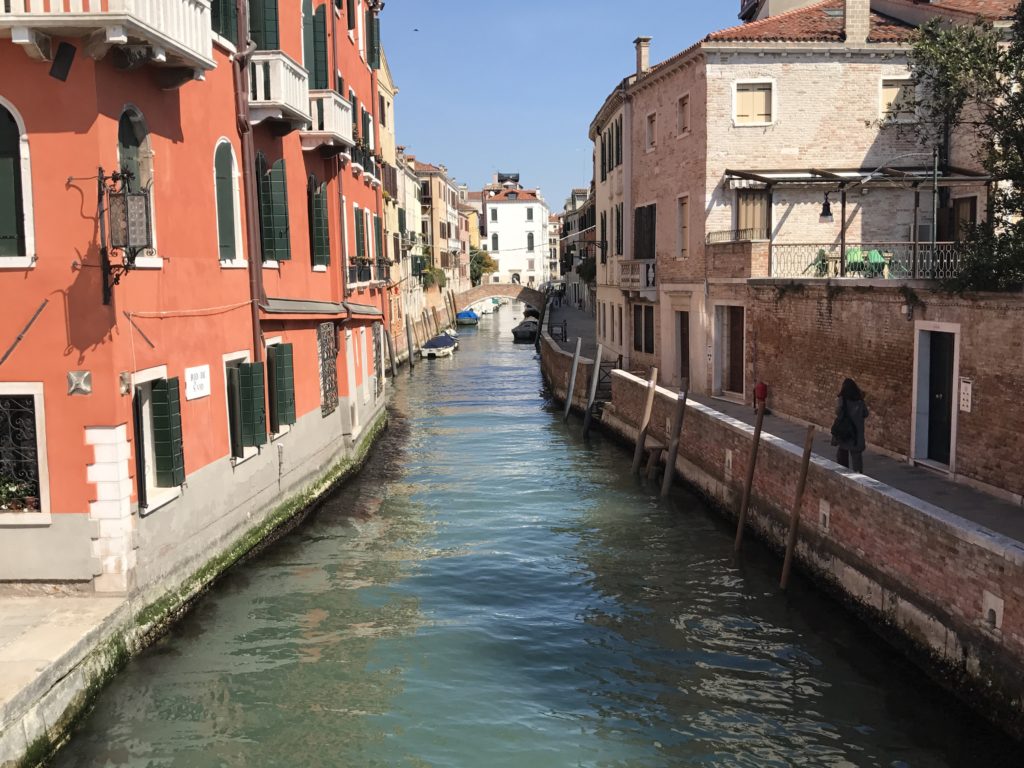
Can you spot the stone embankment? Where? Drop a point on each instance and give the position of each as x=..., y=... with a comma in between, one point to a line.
x=946, y=591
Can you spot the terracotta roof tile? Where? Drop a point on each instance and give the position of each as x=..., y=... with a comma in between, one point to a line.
x=989, y=9
x=823, y=22
x=521, y=194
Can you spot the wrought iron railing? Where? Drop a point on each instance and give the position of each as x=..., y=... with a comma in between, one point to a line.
x=19, y=454
x=888, y=260
x=736, y=235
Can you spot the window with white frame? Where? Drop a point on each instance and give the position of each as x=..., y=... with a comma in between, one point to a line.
x=899, y=102
x=227, y=202
x=683, y=115
x=651, y=137
x=157, y=436
x=683, y=226
x=17, y=236
x=24, y=478
x=753, y=103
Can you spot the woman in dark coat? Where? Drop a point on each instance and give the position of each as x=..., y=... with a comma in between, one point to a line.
x=851, y=451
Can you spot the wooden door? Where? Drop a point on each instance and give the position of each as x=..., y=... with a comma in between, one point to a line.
x=733, y=380
x=940, y=394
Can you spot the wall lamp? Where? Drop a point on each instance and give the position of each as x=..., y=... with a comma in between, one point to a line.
x=826, y=216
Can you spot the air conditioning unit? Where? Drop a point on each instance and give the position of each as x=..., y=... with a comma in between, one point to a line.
x=924, y=233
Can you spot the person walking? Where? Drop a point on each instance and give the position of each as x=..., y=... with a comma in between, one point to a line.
x=848, y=428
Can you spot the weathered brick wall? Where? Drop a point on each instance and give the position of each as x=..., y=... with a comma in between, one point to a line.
x=803, y=339
x=738, y=259
x=556, y=366
x=910, y=566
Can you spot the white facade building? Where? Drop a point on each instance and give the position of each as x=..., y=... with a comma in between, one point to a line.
x=516, y=234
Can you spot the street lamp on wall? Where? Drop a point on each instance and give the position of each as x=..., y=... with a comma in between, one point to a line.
x=126, y=215
x=826, y=216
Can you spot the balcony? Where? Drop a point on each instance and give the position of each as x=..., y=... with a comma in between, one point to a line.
x=884, y=261
x=279, y=89
x=364, y=161
x=165, y=32
x=331, y=124
x=639, y=276
x=737, y=253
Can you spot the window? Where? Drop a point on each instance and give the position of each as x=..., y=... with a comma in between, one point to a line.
x=529, y=214
x=683, y=115
x=645, y=223
x=529, y=241
x=226, y=197
x=494, y=214
x=683, y=226
x=224, y=20
x=513, y=195
x=273, y=207
x=247, y=416
x=383, y=106
x=603, y=240
x=15, y=192
x=899, y=100
x=649, y=329
x=23, y=450
x=373, y=41
x=638, y=328
x=618, y=228
x=494, y=241
x=314, y=44
x=319, y=234
x=753, y=103
x=619, y=313
x=263, y=24
x=752, y=214
x=351, y=15
x=604, y=156
x=652, y=131
x=156, y=427
x=618, y=141
x=281, y=381
x=530, y=265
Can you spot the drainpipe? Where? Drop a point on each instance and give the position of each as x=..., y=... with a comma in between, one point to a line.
x=240, y=63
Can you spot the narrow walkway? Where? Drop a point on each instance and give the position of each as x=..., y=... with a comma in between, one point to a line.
x=579, y=324
x=928, y=485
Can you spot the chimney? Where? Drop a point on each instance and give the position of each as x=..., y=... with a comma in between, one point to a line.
x=643, y=54
x=858, y=21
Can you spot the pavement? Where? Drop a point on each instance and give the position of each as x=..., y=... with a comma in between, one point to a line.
x=42, y=637
x=926, y=484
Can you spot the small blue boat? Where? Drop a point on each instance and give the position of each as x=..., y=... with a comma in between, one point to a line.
x=468, y=317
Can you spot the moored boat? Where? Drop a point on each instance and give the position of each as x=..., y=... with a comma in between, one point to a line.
x=467, y=317
x=441, y=345
x=526, y=331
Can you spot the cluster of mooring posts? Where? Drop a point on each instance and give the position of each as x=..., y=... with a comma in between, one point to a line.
x=655, y=452
x=431, y=322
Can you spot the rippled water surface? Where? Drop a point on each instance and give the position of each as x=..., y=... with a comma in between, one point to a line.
x=492, y=591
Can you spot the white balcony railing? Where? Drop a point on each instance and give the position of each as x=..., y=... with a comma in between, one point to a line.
x=638, y=275
x=889, y=260
x=331, y=121
x=177, y=31
x=279, y=89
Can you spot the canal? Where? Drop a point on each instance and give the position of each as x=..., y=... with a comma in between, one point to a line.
x=492, y=591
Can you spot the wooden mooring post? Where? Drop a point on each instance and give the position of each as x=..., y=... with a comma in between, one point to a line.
x=748, y=483
x=410, y=342
x=675, y=435
x=391, y=354
x=595, y=374
x=572, y=378
x=794, y=518
x=645, y=422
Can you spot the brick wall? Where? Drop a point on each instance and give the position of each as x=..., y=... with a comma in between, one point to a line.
x=556, y=366
x=804, y=338
x=914, y=569
x=738, y=259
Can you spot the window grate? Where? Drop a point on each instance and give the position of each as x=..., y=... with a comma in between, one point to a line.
x=19, y=453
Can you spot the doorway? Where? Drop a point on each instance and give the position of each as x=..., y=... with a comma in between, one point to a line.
x=683, y=350
x=936, y=363
x=729, y=350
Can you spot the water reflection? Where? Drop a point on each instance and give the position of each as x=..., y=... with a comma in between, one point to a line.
x=494, y=592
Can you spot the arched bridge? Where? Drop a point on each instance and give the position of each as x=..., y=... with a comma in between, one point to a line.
x=530, y=296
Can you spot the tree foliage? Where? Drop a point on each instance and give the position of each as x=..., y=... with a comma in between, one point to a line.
x=587, y=270
x=433, y=276
x=971, y=81
x=480, y=264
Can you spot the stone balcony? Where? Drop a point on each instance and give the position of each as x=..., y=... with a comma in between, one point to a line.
x=738, y=253
x=174, y=33
x=278, y=89
x=639, y=277
x=331, y=124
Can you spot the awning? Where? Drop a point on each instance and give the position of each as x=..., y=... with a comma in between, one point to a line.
x=885, y=176
x=310, y=309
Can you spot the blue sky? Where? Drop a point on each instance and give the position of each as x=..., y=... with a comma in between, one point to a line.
x=488, y=85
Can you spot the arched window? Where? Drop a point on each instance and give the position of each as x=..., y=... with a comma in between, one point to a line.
x=226, y=186
x=529, y=241
x=12, y=193
x=135, y=156
x=494, y=241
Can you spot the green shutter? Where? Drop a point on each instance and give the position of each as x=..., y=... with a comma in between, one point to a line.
x=378, y=237
x=225, y=190
x=318, y=74
x=235, y=412
x=12, y=226
x=308, y=33
x=224, y=19
x=281, y=375
x=401, y=221
x=252, y=404
x=366, y=128
x=263, y=24
x=360, y=234
x=320, y=240
x=167, y=440
x=373, y=40
x=276, y=236
x=351, y=14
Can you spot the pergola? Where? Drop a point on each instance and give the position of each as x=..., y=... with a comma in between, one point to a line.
x=842, y=180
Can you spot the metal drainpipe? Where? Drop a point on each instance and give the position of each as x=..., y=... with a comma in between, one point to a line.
x=240, y=62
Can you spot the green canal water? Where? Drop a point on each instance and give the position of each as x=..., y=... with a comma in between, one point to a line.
x=493, y=591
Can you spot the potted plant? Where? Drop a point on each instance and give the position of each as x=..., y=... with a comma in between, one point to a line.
x=17, y=495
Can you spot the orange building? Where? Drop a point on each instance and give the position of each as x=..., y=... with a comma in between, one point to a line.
x=193, y=275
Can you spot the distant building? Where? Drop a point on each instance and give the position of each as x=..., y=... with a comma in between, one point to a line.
x=516, y=231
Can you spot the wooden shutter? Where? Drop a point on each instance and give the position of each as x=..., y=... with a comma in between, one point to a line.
x=224, y=19
x=12, y=216
x=366, y=128
x=351, y=14
x=235, y=411
x=263, y=24
x=308, y=36
x=752, y=212
x=318, y=73
x=649, y=329
x=167, y=439
x=360, y=234
x=277, y=236
x=224, y=171
x=378, y=238
x=402, y=221
x=373, y=40
x=139, y=432
x=253, y=420
x=638, y=328
x=320, y=239
x=754, y=103
x=281, y=375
